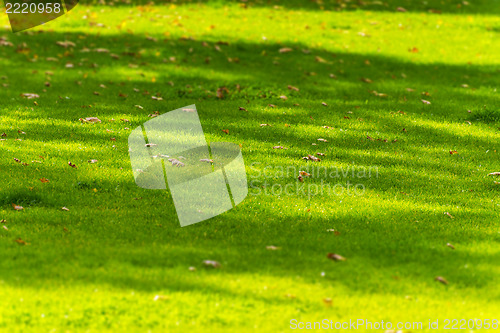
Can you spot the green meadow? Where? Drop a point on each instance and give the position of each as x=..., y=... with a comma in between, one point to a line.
x=405, y=93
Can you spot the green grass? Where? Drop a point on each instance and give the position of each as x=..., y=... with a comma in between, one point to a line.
x=99, y=266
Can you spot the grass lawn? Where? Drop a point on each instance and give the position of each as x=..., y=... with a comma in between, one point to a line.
x=410, y=94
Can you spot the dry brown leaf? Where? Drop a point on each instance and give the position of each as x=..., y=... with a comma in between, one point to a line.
x=285, y=50
x=44, y=180
x=90, y=120
x=293, y=88
x=494, y=174
x=441, y=279
x=320, y=60
x=453, y=152
x=20, y=241
x=262, y=125
x=72, y=165
x=176, y=162
x=450, y=246
x=283, y=97
x=17, y=207
x=242, y=109
x=225, y=131
x=311, y=158
x=30, y=95
x=322, y=140
x=335, y=257
x=272, y=248
x=425, y=102
x=328, y=301
x=211, y=263
x=366, y=80
x=65, y=209
x=324, y=104
x=305, y=174
x=66, y=44
x=300, y=179
x=448, y=214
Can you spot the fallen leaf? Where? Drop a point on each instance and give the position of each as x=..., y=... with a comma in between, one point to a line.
x=242, y=109
x=448, y=214
x=401, y=9
x=335, y=257
x=5, y=227
x=453, y=152
x=425, y=102
x=206, y=160
x=90, y=120
x=494, y=174
x=441, y=279
x=283, y=97
x=320, y=154
x=279, y=147
x=72, y=165
x=92, y=161
x=66, y=44
x=320, y=60
x=16, y=207
x=366, y=80
x=300, y=179
x=311, y=158
x=20, y=241
x=221, y=92
x=293, y=88
x=30, y=95
x=262, y=125
x=328, y=301
x=176, y=162
x=324, y=104
x=450, y=246
x=225, y=131
x=44, y=180
x=305, y=174
x=65, y=209
x=272, y=248
x=322, y=140
x=285, y=50
x=211, y=263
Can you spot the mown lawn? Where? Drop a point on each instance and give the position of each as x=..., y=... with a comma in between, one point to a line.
x=411, y=94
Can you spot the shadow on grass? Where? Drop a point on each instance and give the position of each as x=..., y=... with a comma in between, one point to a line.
x=431, y=6
x=130, y=230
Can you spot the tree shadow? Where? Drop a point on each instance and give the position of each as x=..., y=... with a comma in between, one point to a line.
x=258, y=78
x=431, y=6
